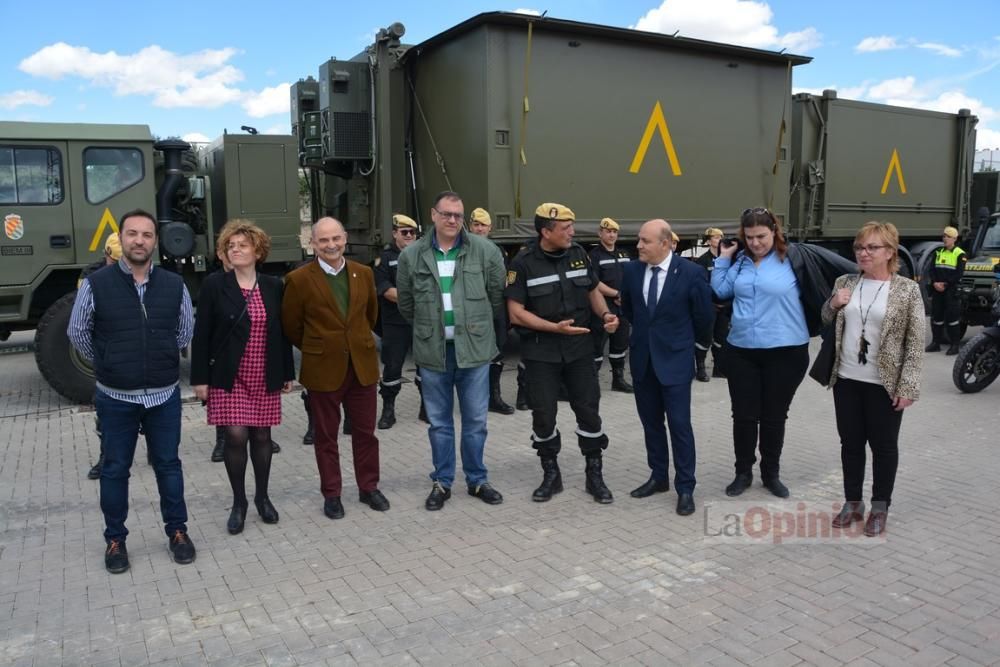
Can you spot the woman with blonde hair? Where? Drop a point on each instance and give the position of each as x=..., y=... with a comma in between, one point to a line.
x=241, y=361
x=878, y=356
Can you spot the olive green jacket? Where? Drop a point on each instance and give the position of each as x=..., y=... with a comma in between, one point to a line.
x=476, y=294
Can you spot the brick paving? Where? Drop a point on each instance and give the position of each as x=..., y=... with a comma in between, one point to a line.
x=569, y=582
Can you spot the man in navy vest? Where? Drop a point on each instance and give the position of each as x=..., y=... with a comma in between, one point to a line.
x=131, y=319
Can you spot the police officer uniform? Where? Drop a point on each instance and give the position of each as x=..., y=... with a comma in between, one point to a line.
x=497, y=404
x=946, y=308
x=397, y=334
x=608, y=266
x=555, y=286
x=723, y=313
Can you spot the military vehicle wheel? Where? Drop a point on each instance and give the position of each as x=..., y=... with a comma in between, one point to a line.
x=61, y=365
x=977, y=364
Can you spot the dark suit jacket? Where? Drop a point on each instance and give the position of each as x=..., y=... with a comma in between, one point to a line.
x=220, y=333
x=313, y=323
x=665, y=338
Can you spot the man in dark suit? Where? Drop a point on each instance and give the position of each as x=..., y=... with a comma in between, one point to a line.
x=329, y=309
x=669, y=305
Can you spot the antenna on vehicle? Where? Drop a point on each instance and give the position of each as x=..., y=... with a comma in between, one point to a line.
x=248, y=129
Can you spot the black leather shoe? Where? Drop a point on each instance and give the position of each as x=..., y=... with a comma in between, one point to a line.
x=649, y=487
x=775, y=486
x=853, y=510
x=486, y=493
x=438, y=495
x=374, y=499
x=685, y=504
x=217, y=456
x=237, y=517
x=116, y=557
x=739, y=485
x=333, y=509
x=875, y=525
x=266, y=510
x=275, y=447
x=181, y=548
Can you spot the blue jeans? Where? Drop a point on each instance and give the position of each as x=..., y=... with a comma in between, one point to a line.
x=120, y=422
x=473, y=386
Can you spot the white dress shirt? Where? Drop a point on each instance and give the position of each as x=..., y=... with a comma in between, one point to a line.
x=661, y=278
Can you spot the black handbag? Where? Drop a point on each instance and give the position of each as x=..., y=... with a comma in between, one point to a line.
x=822, y=368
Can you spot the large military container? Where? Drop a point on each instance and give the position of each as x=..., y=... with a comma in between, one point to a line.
x=857, y=161
x=513, y=111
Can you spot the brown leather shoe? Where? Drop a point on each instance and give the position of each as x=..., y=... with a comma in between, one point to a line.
x=853, y=510
x=875, y=525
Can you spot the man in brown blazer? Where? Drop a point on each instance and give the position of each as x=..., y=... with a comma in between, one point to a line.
x=329, y=309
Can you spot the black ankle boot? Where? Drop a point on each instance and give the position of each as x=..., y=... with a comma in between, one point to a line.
x=700, y=374
x=237, y=517
x=551, y=480
x=618, y=382
x=388, y=418
x=266, y=510
x=496, y=400
x=595, y=481
x=220, y=444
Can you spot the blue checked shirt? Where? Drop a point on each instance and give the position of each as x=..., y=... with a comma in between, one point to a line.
x=81, y=333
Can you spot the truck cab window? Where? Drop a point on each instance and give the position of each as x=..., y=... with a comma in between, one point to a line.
x=30, y=175
x=108, y=171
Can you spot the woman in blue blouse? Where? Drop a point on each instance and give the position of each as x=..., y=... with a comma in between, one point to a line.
x=767, y=351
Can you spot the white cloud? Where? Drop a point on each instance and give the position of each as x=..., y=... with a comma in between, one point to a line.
x=268, y=101
x=530, y=12
x=20, y=98
x=196, y=138
x=743, y=22
x=940, y=49
x=201, y=79
x=987, y=139
x=280, y=128
x=881, y=43
x=904, y=87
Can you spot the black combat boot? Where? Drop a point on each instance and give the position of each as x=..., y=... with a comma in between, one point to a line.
x=521, y=401
x=310, y=436
x=700, y=374
x=937, y=335
x=595, y=480
x=220, y=444
x=388, y=418
x=551, y=480
x=496, y=400
x=618, y=382
x=955, y=338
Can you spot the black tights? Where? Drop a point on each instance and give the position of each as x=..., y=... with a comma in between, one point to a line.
x=235, y=456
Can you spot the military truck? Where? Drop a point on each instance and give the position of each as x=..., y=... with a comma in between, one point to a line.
x=982, y=248
x=63, y=187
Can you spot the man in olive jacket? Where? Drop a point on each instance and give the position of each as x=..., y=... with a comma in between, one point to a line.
x=450, y=283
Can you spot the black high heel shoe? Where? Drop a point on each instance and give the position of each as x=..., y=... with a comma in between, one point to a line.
x=237, y=517
x=266, y=510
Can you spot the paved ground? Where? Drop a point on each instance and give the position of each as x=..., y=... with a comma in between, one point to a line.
x=569, y=582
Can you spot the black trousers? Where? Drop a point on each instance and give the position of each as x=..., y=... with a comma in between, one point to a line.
x=500, y=332
x=946, y=315
x=618, y=346
x=396, y=341
x=580, y=377
x=762, y=384
x=865, y=416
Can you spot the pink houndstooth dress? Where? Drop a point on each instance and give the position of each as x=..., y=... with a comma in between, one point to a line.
x=249, y=403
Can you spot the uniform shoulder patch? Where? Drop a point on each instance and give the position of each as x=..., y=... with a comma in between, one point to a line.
x=511, y=277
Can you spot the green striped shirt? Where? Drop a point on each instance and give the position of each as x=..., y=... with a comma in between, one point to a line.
x=446, y=276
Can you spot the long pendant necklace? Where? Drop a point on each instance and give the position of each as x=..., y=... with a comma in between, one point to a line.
x=863, y=343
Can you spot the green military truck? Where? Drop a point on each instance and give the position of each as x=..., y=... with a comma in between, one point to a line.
x=63, y=187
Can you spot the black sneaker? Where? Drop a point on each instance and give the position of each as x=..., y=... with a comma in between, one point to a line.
x=116, y=557
x=486, y=493
x=181, y=548
x=438, y=495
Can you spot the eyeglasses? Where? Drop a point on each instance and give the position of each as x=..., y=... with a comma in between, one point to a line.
x=870, y=248
x=406, y=231
x=449, y=215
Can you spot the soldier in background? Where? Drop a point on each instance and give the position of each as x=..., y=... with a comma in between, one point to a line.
x=397, y=334
x=608, y=261
x=946, y=309
x=481, y=224
x=723, y=311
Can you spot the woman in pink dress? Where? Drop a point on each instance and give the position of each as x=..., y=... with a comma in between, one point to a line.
x=241, y=361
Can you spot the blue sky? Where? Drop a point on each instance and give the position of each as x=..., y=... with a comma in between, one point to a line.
x=192, y=69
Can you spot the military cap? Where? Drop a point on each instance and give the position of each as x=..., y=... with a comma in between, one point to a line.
x=713, y=231
x=608, y=223
x=554, y=212
x=950, y=232
x=113, y=247
x=481, y=216
x=400, y=220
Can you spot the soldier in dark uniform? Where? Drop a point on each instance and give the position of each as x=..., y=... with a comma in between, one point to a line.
x=552, y=291
x=481, y=224
x=946, y=307
x=397, y=335
x=723, y=311
x=607, y=261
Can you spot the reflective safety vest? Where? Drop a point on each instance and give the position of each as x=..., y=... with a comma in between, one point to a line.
x=947, y=259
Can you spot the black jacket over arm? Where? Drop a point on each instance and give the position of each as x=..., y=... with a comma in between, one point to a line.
x=219, y=332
